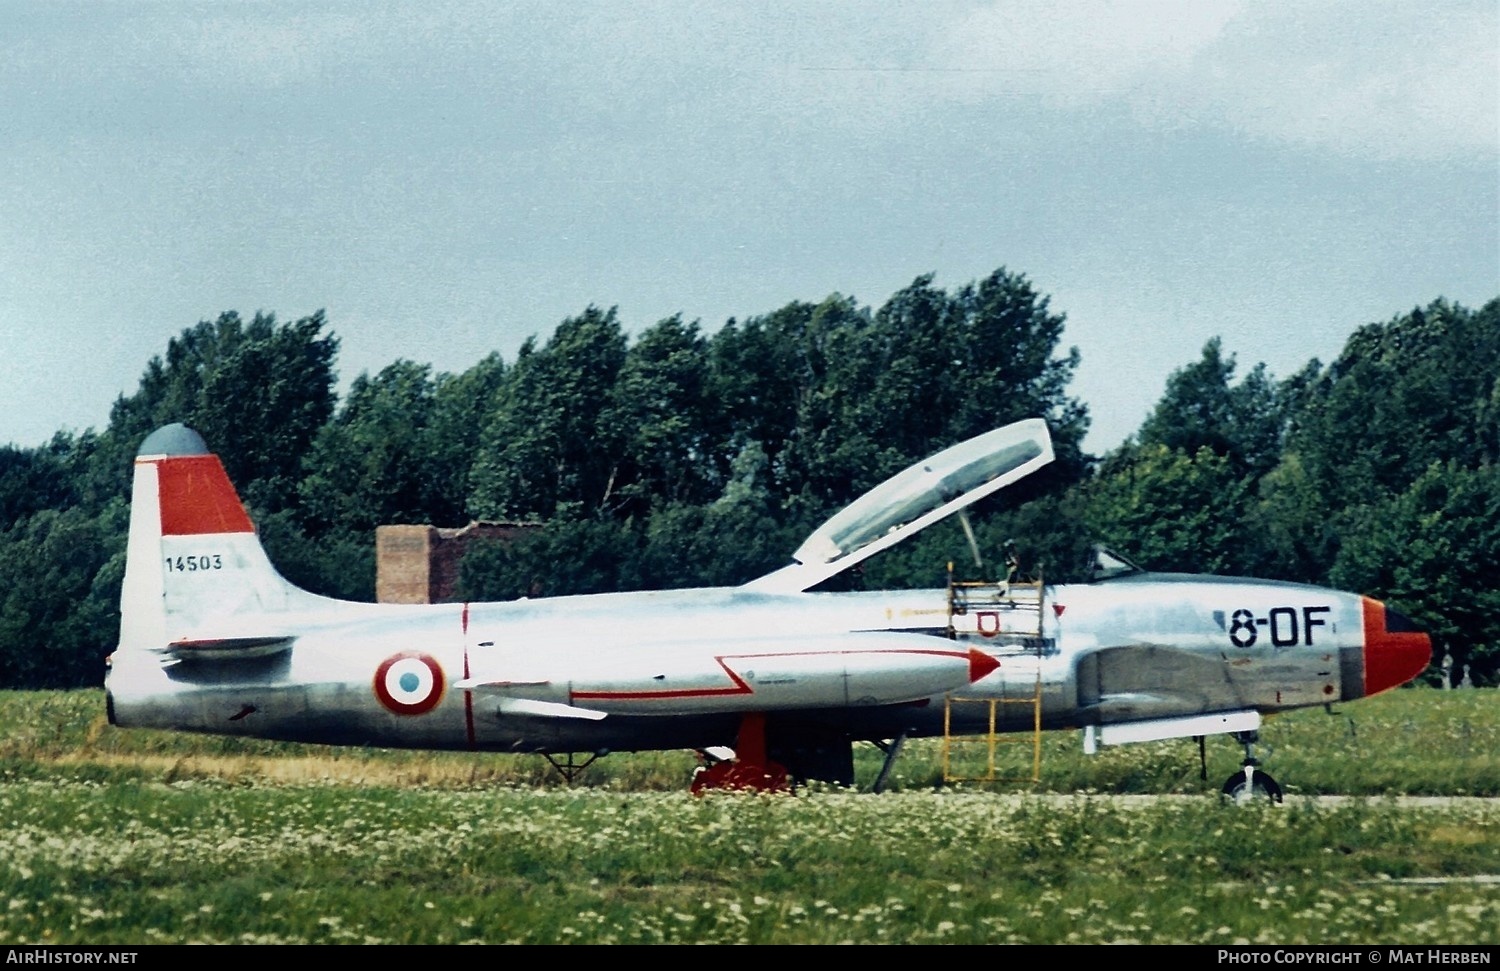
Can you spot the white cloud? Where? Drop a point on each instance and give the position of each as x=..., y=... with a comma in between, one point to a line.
x=1353, y=78
x=254, y=46
x=1378, y=80
x=1075, y=52
x=1357, y=79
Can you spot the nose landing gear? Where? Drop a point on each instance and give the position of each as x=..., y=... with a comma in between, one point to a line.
x=1250, y=784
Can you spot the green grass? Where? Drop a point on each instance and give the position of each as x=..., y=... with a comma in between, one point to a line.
x=116, y=837
x=1415, y=741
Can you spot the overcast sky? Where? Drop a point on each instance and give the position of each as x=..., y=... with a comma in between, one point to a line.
x=447, y=179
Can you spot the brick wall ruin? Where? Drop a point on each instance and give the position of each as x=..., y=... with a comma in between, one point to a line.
x=420, y=564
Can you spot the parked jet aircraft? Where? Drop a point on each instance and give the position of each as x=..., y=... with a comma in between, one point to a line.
x=777, y=680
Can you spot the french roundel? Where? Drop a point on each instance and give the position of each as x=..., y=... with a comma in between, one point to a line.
x=409, y=684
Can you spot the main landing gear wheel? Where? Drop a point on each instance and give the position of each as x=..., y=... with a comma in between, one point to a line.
x=1250, y=785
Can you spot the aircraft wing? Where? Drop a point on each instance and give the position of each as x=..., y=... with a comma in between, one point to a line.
x=912, y=500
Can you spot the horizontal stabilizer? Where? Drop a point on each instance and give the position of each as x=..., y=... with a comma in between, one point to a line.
x=547, y=709
x=229, y=648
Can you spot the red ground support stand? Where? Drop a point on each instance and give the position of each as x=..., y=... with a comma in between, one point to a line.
x=750, y=769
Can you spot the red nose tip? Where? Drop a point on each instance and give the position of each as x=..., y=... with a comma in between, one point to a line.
x=1396, y=650
x=980, y=664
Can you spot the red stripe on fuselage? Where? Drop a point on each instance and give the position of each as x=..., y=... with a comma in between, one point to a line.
x=739, y=687
x=468, y=695
x=198, y=499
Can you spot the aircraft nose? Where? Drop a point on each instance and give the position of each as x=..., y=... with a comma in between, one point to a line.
x=1396, y=650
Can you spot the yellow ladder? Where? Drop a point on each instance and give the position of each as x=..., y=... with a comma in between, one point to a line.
x=1006, y=617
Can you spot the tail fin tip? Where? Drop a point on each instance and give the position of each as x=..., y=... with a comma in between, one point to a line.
x=172, y=441
x=195, y=495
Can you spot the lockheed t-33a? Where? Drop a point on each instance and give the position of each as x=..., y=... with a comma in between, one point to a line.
x=773, y=680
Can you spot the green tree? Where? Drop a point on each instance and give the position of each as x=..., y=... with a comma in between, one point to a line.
x=778, y=380
x=60, y=572
x=373, y=463
x=1011, y=366
x=570, y=556
x=659, y=412
x=335, y=562
x=760, y=373
x=258, y=393
x=900, y=377
x=1204, y=408
x=928, y=369
x=542, y=450
x=1291, y=527
x=35, y=479
x=1431, y=552
x=1171, y=511
x=461, y=409
x=1403, y=395
x=835, y=452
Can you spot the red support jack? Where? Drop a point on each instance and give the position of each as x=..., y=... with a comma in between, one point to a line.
x=750, y=769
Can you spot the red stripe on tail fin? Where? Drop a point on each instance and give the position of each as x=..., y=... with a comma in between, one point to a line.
x=197, y=498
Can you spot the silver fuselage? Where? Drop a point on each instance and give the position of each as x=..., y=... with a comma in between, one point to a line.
x=651, y=666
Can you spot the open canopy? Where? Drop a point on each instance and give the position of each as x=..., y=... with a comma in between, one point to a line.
x=914, y=499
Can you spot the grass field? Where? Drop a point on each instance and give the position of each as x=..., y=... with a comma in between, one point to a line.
x=117, y=837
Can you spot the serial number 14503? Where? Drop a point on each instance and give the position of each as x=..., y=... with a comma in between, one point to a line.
x=195, y=564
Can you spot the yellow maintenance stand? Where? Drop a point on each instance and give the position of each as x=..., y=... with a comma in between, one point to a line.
x=1006, y=617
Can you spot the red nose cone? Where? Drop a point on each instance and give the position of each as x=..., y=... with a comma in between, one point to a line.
x=980, y=664
x=1396, y=650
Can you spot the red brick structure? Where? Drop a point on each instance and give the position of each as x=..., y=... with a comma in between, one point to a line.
x=420, y=564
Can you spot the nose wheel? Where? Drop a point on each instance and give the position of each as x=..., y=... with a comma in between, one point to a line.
x=1250, y=784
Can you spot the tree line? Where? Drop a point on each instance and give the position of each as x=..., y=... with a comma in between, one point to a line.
x=677, y=457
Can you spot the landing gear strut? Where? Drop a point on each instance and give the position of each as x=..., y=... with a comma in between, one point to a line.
x=891, y=750
x=570, y=768
x=1250, y=784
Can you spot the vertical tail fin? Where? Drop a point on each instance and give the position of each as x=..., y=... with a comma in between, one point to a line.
x=194, y=565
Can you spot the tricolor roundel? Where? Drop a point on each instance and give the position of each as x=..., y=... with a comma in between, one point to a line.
x=409, y=684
